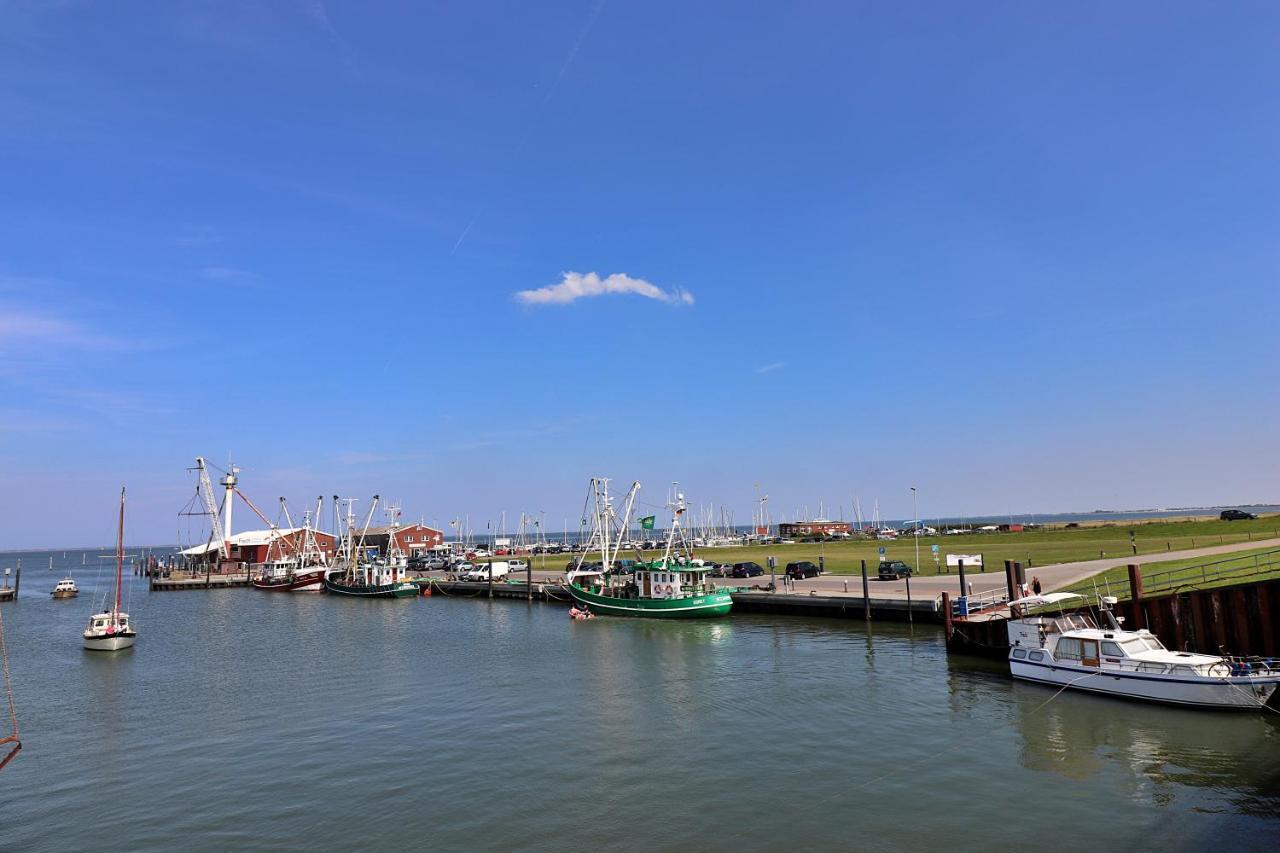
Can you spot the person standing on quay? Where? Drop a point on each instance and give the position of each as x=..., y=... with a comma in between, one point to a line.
x=1035, y=585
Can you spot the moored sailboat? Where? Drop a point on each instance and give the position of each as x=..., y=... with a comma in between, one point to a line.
x=111, y=629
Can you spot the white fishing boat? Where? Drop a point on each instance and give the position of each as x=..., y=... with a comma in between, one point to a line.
x=1070, y=650
x=111, y=629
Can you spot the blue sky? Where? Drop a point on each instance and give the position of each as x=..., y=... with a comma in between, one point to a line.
x=1020, y=255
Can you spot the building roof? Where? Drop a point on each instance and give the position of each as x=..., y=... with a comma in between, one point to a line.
x=385, y=529
x=250, y=538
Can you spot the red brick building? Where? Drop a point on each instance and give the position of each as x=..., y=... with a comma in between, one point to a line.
x=412, y=538
x=813, y=528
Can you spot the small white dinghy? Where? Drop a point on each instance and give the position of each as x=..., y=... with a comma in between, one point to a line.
x=1070, y=650
x=111, y=630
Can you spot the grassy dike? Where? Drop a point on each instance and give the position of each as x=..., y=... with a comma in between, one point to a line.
x=1039, y=547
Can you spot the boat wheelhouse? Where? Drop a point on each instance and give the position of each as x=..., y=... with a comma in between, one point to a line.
x=1071, y=650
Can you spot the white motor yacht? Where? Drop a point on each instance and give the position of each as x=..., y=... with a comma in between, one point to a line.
x=1071, y=650
x=65, y=588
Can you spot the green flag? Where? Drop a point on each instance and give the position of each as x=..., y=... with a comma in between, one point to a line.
x=646, y=523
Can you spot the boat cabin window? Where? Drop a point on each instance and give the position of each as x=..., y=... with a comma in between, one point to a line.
x=1142, y=644
x=1068, y=648
x=1111, y=650
x=1037, y=655
x=1019, y=653
x=1182, y=669
x=1149, y=666
x=1074, y=622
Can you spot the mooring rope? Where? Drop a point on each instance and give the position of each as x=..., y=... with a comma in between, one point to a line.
x=14, y=738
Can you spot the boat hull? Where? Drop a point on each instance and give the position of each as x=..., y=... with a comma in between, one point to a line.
x=299, y=582
x=65, y=594
x=711, y=605
x=403, y=589
x=1242, y=693
x=110, y=642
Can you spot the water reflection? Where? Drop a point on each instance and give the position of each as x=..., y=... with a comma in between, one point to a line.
x=1156, y=750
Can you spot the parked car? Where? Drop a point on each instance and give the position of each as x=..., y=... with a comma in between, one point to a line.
x=892, y=570
x=1236, y=515
x=461, y=568
x=746, y=570
x=499, y=569
x=803, y=569
x=429, y=564
x=517, y=566
x=720, y=570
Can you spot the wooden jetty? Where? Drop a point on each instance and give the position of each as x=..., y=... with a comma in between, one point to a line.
x=838, y=606
x=186, y=580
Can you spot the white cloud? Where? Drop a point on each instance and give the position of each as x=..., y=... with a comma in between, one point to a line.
x=576, y=285
x=769, y=368
x=40, y=327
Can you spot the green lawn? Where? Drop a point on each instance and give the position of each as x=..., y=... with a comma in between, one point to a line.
x=1198, y=573
x=1034, y=547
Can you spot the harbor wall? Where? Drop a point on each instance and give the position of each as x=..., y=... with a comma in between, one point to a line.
x=1241, y=619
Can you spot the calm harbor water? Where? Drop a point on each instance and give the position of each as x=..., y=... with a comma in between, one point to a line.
x=245, y=719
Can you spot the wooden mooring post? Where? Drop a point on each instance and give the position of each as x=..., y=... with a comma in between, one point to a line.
x=866, y=594
x=1135, y=595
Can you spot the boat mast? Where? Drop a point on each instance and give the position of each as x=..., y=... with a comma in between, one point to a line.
x=119, y=555
x=677, y=510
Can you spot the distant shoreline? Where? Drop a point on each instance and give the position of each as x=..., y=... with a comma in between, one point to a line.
x=1093, y=518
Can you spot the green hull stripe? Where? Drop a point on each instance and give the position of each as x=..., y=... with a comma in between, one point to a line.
x=717, y=604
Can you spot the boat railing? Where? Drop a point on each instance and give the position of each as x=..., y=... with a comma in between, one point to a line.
x=967, y=605
x=1230, y=665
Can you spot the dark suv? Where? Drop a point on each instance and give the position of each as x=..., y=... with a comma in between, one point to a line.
x=803, y=569
x=747, y=570
x=1236, y=515
x=892, y=570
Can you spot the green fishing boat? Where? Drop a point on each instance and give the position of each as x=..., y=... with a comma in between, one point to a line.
x=673, y=587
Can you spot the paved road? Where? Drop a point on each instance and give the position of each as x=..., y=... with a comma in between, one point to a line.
x=1051, y=577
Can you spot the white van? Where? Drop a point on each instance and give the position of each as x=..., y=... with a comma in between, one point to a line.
x=500, y=570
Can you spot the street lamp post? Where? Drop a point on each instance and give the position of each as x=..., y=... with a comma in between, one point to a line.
x=915, y=508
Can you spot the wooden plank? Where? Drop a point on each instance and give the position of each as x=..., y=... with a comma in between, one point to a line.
x=1238, y=607
x=1266, y=627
